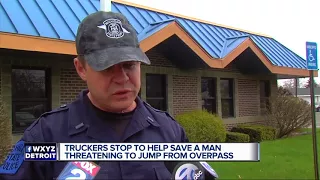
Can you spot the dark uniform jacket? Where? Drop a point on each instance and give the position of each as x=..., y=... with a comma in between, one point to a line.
x=75, y=123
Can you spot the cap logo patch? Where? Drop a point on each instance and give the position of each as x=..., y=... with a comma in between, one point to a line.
x=113, y=28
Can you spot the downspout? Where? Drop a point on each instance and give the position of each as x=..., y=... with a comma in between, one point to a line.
x=105, y=5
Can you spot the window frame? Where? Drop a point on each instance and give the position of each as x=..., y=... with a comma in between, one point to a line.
x=267, y=93
x=164, y=78
x=231, y=82
x=25, y=101
x=214, y=108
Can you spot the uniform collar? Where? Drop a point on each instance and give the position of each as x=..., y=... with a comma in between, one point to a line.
x=142, y=118
x=81, y=119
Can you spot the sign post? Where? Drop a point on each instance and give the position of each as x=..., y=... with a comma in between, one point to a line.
x=312, y=65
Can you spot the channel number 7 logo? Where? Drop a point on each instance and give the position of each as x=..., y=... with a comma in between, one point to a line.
x=79, y=170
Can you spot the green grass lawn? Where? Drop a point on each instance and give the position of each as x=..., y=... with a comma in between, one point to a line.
x=290, y=158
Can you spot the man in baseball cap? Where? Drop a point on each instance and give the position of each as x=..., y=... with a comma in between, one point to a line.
x=108, y=60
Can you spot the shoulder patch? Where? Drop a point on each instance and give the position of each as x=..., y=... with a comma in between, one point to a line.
x=14, y=159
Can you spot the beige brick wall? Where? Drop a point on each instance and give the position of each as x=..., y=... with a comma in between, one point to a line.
x=185, y=94
x=157, y=59
x=6, y=82
x=0, y=78
x=274, y=84
x=248, y=97
x=70, y=85
x=246, y=100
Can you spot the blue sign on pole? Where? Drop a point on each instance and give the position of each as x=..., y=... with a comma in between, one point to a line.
x=312, y=61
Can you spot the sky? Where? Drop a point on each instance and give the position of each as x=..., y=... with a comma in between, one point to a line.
x=291, y=22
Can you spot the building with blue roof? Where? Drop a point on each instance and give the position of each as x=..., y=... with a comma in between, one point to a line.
x=195, y=64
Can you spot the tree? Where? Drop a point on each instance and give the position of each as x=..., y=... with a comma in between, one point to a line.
x=308, y=84
x=5, y=131
x=289, y=84
x=288, y=113
x=284, y=92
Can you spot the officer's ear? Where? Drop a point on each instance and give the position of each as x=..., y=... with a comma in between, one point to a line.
x=80, y=65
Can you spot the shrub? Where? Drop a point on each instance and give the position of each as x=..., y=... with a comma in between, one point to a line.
x=5, y=132
x=256, y=133
x=233, y=137
x=288, y=114
x=202, y=126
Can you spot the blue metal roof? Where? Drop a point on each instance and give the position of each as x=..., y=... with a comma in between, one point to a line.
x=60, y=19
x=53, y=19
x=153, y=28
x=231, y=43
x=278, y=54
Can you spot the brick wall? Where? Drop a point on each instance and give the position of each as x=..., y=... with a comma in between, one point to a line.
x=185, y=95
x=157, y=59
x=229, y=68
x=70, y=85
x=4, y=152
x=248, y=100
x=0, y=81
x=274, y=86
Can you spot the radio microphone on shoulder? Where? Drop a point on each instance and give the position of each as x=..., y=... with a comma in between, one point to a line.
x=79, y=170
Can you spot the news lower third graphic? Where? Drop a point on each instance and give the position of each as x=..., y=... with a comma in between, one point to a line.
x=158, y=152
x=79, y=170
x=189, y=171
x=40, y=152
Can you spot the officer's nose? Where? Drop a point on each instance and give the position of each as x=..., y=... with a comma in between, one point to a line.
x=120, y=75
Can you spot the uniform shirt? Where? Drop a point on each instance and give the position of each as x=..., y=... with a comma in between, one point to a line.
x=78, y=122
x=116, y=121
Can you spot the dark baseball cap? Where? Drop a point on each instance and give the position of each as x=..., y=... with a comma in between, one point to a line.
x=107, y=38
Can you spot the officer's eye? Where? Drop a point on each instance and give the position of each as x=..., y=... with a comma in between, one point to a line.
x=130, y=65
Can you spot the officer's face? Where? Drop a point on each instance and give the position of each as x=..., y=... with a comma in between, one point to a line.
x=115, y=88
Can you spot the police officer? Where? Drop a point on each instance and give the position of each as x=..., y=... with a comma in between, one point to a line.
x=108, y=60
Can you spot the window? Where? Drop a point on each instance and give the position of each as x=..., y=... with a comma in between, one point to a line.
x=30, y=96
x=227, y=102
x=264, y=95
x=208, y=93
x=157, y=91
